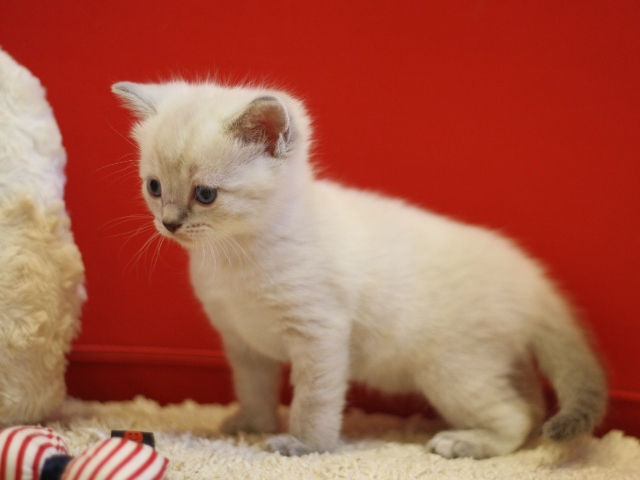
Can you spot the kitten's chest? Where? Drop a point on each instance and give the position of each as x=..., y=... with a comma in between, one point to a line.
x=239, y=301
x=255, y=322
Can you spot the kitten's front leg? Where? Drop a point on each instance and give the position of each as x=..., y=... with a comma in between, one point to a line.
x=319, y=373
x=256, y=381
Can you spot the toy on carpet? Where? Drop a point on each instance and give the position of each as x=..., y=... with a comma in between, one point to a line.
x=37, y=453
x=41, y=286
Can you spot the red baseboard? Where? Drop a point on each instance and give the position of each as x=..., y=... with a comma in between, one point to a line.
x=168, y=375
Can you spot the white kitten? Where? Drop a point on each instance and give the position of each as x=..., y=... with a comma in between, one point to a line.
x=348, y=285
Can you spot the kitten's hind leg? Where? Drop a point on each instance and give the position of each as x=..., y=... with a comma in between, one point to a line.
x=491, y=414
x=256, y=381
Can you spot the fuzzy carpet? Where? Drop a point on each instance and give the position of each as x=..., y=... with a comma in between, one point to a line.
x=375, y=447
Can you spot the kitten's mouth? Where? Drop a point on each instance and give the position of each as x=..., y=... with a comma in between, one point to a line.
x=181, y=238
x=185, y=239
x=174, y=234
x=185, y=235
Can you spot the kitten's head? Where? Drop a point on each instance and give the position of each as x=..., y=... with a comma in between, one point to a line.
x=216, y=160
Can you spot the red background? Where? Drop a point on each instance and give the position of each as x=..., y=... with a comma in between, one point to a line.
x=522, y=116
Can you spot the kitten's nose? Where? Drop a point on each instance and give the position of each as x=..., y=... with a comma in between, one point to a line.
x=172, y=227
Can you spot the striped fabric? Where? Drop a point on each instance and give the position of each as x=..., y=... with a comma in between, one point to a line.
x=117, y=459
x=23, y=451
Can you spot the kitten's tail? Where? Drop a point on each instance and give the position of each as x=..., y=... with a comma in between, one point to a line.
x=572, y=367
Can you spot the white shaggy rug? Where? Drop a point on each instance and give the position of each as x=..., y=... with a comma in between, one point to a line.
x=376, y=447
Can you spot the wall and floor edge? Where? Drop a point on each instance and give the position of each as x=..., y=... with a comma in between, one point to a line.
x=172, y=375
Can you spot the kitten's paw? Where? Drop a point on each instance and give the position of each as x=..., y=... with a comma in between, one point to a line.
x=288, y=445
x=458, y=443
x=241, y=422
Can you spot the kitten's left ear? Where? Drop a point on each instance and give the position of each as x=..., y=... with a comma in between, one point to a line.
x=265, y=121
x=141, y=99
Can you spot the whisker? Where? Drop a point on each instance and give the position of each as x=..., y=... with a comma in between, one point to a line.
x=127, y=218
x=136, y=232
x=156, y=255
x=198, y=246
x=214, y=254
x=201, y=248
x=120, y=176
x=131, y=175
x=126, y=139
x=141, y=251
x=200, y=242
x=132, y=233
x=226, y=252
x=204, y=254
x=130, y=163
x=234, y=243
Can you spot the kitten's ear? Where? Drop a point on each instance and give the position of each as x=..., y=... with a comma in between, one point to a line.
x=265, y=121
x=139, y=98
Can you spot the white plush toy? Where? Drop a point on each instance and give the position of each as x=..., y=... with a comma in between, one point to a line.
x=41, y=270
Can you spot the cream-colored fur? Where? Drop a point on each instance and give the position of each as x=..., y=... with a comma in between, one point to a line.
x=41, y=271
x=349, y=285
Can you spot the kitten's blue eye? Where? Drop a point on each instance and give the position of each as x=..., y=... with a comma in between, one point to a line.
x=154, y=188
x=206, y=195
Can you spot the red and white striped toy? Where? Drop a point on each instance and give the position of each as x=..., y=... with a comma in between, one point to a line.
x=35, y=453
x=117, y=459
x=24, y=450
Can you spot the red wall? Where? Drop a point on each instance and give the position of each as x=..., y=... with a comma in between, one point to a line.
x=522, y=116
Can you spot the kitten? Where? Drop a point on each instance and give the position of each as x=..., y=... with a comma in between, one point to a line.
x=349, y=285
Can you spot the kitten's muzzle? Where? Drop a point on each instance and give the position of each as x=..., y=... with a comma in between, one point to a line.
x=172, y=227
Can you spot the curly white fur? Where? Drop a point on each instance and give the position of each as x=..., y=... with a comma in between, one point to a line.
x=41, y=285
